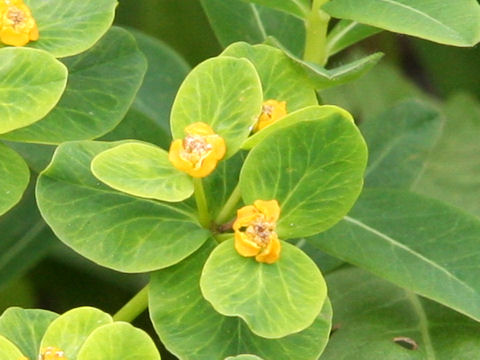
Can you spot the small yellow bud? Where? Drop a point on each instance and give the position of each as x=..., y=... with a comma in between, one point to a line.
x=272, y=110
x=52, y=353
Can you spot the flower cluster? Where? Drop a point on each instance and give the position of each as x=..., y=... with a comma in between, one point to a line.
x=51, y=353
x=17, y=25
x=255, y=231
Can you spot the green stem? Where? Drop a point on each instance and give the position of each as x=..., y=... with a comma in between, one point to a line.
x=229, y=208
x=202, y=205
x=134, y=307
x=316, y=25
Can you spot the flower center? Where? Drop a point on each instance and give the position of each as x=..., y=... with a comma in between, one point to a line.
x=267, y=110
x=16, y=16
x=52, y=353
x=260, y=231
x=195, y=148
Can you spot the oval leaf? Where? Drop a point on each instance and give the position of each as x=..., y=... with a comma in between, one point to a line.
x=299, y=8
x=192, y=330
x=27, y=92
x=243, y=357
x=69, y=331
x=346, y=33
x=223, y=92
x=427, y=249
x=142, y=170
x=282, y=79
x=118, y=341
x=14, y=178
x=102, y=84
x=390, y=323
x=8, y=351
x=25, y=328
x=275, y=300
x=70, y=27
x=314, y=169
x=113, y=229
x=453, y=23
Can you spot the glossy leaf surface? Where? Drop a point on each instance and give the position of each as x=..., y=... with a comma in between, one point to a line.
x=346, y=33
x=8, y=351
x=415, y=242
x=223, y=92
x=70, y=27
x=25, y=328
x=118, y=341
x=102, y=84
x=275, y=300
x=144, y=170
x=399, y=142
x=69, y=331
x=379, y=321
x=27, y=93
x=14, y=177
x=282, y=79
x=448, y=22
x=314, y=169
x=113, y=229
x=192, y=330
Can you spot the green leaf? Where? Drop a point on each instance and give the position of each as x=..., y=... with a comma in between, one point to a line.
x=102, y=84
x=325, y=262
x=9, y=351
x=236, y=20
x=143, y=170
x=275, y=300
x=166, y=71
x=452, y=169
x=23, y=243
x=118, y=341
x=282, y=79
x=25, y=328
x=70, y=330
x=418, y=243
x=110, y=228
x=377, y=319
x=314, y=169
x=27, y=93
x=451, y=22
x=14, y=177
x=71, y=27
x=192, y=330
x=399, y=143
x=243, y=357
x=299, y=8
x=346, y=33
x=37, y=156
x=223, y=92
x=310, y=113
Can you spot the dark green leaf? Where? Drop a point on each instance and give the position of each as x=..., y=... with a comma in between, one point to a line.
x=14, y=177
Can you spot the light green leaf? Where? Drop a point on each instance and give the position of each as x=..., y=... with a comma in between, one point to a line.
x=113, y=229
x=192, y=330
x=346, y=33
x=14, y=177
x=70, y=27
x=69, y=331
x=223, y=92
x=37, y=156
x=102, y=84
x=118, y=341
x=299, y=8
x=452, y=171
x=379, y=321
x=27, y=92
x=310, y=113
x=282, y=79
x=25, y=328
x=314, y=169
x=8, y=351
x=23, y=243
x=275, y=300
x=243, y=357
x=237, y=20
x=418, y=243
x=399, y=142
x=448, y=22
x=143, y=170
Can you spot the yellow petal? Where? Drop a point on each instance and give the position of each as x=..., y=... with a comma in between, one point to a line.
x=269, y=208
x=199, y=128
x=245, y=247
x=271, y=253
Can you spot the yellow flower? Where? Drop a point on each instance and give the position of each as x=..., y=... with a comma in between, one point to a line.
x=17, y=25
x=198, y=153
x=272, y=110
x=255, y=231
x=52, y=353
